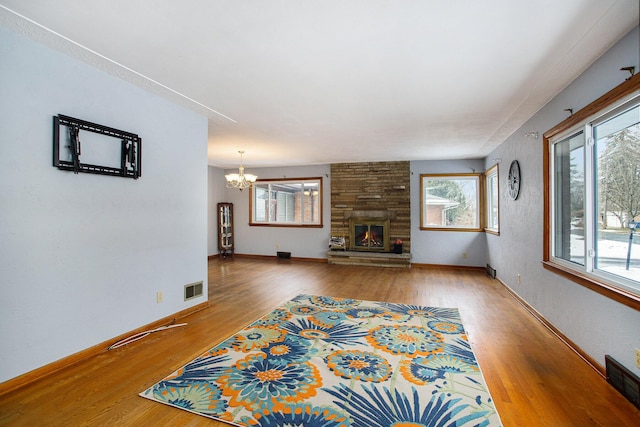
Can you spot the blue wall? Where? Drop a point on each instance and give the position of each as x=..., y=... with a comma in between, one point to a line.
x=84, y=255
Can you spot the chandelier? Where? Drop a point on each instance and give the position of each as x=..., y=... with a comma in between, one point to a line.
x=240, y=180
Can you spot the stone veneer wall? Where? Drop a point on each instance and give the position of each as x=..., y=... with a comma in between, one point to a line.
x=375, y=186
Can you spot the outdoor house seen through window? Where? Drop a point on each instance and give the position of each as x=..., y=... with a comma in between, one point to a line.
x=287, y=202
x=594, y=197
x=450, y=202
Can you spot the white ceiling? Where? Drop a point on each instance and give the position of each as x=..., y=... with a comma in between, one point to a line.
x=295, y=82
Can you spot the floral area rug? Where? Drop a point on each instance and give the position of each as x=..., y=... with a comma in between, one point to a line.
x=327, y=362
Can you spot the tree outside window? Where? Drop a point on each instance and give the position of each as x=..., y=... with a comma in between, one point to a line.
x=450, y=202
x=595, y=182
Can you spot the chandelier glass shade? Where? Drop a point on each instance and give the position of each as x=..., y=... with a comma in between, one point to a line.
x=240, y=180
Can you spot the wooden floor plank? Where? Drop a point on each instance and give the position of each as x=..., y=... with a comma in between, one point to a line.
x=534, y=378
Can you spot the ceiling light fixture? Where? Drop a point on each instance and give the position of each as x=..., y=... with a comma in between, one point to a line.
x=240, y=180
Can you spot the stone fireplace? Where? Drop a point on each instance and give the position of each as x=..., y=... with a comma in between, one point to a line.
x=370, y=211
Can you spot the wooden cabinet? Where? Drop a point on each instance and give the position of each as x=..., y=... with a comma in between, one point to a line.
x=225, y=229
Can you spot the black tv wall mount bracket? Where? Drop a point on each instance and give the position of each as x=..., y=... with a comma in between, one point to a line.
x=127, y=165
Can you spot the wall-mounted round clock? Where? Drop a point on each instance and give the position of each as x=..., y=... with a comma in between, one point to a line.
x=513, y=183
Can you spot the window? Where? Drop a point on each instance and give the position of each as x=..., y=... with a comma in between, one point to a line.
x=450, y=202
x=287, y=202
x=492, y=201
x=592, y=206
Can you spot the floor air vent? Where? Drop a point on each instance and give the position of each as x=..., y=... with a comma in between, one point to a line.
x=283, y=255
x=192, y=290
x=625, y=381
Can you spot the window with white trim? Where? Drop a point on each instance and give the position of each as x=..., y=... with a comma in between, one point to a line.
x=492, y=200
x=594, y=186
x=287, y=202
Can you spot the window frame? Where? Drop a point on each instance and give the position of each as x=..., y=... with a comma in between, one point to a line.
x=287, y=181
x=478, y=177
x=489, y=196
x=598, y=108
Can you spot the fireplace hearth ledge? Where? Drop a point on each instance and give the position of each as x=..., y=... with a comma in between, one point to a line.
x=377, y=259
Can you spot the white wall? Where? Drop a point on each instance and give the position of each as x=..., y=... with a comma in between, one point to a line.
x=83, y=255
x=302, y=242
x=444, y=247
x=598, y=325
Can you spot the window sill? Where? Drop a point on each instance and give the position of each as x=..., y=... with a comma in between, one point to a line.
x=471, y=230
x=264, y=224
x=617, y=294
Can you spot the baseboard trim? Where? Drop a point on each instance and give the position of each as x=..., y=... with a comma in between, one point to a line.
x=51, y=368
x=274, y=257
x=449, y=267
x=575, y=348
x=325, y=260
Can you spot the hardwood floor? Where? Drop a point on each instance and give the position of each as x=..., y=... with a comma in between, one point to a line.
x=534, y=378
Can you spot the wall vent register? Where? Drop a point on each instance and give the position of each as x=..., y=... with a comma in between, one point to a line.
x=193, y=290
x=623, y=380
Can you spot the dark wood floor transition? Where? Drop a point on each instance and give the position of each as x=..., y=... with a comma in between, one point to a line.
x=534, y=378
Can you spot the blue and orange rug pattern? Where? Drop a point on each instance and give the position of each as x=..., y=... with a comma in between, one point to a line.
x=320, y=361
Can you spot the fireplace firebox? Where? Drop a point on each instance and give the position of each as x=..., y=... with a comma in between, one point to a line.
x=369, y=234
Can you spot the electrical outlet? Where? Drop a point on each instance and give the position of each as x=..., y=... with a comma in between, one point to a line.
x=159, y=297
x=464, y=255
x=277, y=247
x=518, y=277
x=638, y=357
